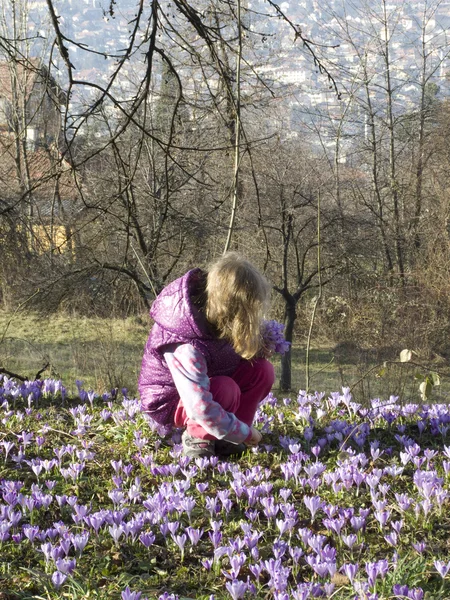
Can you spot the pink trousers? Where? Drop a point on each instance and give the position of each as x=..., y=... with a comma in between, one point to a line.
x=239, y=394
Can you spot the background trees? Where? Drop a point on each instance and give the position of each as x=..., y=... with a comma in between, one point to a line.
x=123, y=180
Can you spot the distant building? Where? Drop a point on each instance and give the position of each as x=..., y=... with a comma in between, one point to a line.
x=41, y=191
x=36, y=185
x=30, y=102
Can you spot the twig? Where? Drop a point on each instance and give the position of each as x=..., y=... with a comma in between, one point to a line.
x=392, y=362
x=22, y=377
x=319, y=296
x=143, y=268
x=39, y=373
x=237, y=134
x=61, y=432
x=378, y=366
x=322, y=369
x=14, y=314
x=11, y=374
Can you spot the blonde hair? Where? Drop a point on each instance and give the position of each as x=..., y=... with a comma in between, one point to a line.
x=237, y=296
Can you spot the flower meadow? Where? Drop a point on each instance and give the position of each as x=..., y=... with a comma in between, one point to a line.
x=340, y=501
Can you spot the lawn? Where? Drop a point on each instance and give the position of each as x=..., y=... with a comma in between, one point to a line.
x=104, y=353
x=340, y=501
x=107, y=353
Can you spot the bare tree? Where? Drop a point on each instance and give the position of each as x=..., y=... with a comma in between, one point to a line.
x=287, y=231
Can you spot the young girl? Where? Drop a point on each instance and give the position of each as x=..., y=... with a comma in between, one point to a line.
x=203, y=366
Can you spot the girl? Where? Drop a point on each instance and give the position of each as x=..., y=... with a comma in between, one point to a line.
x=203, y=366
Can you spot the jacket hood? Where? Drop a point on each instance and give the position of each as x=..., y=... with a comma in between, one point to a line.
x=174, y=310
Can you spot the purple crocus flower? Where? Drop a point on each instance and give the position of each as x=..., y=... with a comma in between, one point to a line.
x=335, y=525
x=279, y=548
x=296, y=553
x=237, y=544
x=442, y=568
x=273, y=337
x=236, y=589
x=65, y=565
x=127, y=594
x=400, y=591
x=207, y=563
x=8, y=446
x=350, y=570
x=301, y=593
x=212, y=505
x=391, y=538
x=349, y=540
x=25, y=437
x=105, y=414
x=419, y=547
x=147, y=539
x=328, y=553
x=319, y=567
x=180, y=541
x=285, y=493
x=316, y=542
x=46, y=550
x=416, y=594
x=216, y=525
x=358, y=523
x=173, y=526
x=284, y=525
x=397, y=526
x=30, y=532
x=58, y=579
x=403, y=501
x=194, y=535
x=308, y=433
x=57, y=552
x=221, y=552
x=236, y=562
x=313, y=504
x=372, y=572
x=79, y=541
x=270, y=507
x=116, y=532
x=64, y=545
x=256, y=570
x=17, y=538
x=4, y=531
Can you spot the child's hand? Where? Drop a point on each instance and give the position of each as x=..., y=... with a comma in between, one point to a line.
x=255, y=439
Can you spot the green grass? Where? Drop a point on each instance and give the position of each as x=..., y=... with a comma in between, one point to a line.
x=367, y=377
x=107, y=353
x=104, y=353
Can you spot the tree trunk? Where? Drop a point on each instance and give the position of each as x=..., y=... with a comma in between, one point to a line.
x=286, y=359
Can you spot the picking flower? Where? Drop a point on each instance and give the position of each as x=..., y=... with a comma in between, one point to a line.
x=202, y=368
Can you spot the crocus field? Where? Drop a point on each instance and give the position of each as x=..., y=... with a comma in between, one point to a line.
x=339, y=501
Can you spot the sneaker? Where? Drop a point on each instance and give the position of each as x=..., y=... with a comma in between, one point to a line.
x=197, y=447
x=224, y=448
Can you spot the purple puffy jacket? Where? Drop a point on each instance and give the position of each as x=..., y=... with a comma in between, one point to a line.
x=178, y=321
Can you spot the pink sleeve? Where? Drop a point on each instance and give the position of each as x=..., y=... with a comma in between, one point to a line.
x=188, y=368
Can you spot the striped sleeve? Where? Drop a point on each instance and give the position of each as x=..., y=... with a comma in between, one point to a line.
x=188, y=368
